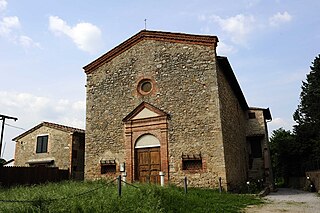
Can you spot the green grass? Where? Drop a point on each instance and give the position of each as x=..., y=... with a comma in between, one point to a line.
x=98, y=196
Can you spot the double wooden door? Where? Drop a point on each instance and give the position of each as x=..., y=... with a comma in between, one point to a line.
x=147, y=165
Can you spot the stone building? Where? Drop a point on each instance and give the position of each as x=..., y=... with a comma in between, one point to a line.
x=52, y=145
x=166, y=102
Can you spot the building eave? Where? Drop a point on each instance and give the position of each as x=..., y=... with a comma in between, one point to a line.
x=50, y=125
x=151, y=35
x=225, y=66
x=266, y=112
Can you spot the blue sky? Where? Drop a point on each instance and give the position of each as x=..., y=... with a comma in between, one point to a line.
x=45, y=43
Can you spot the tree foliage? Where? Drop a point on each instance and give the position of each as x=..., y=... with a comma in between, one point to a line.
x=307, y=115
x=293, y=153
x=308, y=110
x=284, y=154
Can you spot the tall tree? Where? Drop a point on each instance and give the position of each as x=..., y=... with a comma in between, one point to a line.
x=307, y=116
x=308, y=110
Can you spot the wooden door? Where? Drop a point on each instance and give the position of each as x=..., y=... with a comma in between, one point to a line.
x=148, y=165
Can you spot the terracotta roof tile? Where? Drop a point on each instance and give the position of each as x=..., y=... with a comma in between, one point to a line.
x=51, y=125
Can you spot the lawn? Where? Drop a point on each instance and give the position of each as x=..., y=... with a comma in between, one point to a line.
x=102, y=196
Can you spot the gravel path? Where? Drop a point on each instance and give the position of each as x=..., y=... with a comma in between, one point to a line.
x=288, y=200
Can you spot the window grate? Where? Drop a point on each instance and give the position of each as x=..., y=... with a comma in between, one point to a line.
x=192, y=164
x=108, y=169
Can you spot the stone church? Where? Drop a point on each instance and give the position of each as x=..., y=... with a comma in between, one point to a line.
x=165, y=102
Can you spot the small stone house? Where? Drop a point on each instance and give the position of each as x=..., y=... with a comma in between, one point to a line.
x=52, y=145
x=166, y=102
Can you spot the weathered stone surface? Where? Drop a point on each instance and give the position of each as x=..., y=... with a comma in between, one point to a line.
x=233, y=120
x=205, y=116
x=61, y=146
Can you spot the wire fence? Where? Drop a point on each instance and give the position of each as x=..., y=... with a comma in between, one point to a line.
x=119, y=187
x=58, y=199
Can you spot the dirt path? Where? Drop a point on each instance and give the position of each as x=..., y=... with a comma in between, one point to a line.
x=288, y=200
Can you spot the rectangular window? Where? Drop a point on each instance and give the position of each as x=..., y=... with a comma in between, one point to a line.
x=252, y=115
x=107, y=169
x=108, y=166
x=192, y=164
x=256, y=149
x=42, y=144
x=191, y=161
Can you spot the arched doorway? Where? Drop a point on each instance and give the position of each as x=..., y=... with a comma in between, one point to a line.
x=146, y=144
x=147, y=159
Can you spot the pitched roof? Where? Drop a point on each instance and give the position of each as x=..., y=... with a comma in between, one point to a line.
x=51, y=125
x=151, y=35
x=231, y=78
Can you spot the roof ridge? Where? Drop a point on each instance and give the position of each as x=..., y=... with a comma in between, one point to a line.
x=153, y=35
x=52, y=125
x=62, y=126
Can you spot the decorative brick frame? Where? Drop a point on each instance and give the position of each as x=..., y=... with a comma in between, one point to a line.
x=135, y=128
x=154, y=89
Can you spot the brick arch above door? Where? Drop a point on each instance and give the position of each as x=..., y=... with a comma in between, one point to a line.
x=145, y=119
x=147, y=141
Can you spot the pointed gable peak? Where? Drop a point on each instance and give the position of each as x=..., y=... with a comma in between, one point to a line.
x=143, y=111
x=50, y=125
x=207, y=40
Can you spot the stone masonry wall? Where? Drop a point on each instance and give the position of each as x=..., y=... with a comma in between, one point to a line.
x=233, y=119
x=59, y=145
x=185, y=88
x=256, y=126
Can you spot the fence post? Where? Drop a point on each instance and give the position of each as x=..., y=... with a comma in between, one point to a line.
x=220, y=187
x=161, y=174
x=185, y=184
x=124, y=176
x=248, y=185
x=119, y=185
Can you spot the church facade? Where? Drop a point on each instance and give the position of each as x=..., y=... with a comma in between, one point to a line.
x=165, y=102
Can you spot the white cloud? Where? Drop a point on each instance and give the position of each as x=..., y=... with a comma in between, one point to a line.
x=3, y=5
x=280, y=18
x=86, y=36
x=7, y=24
x=237, y=27
x=225, y=49
x=277, y=123
x=34, y=109
x=27, y=42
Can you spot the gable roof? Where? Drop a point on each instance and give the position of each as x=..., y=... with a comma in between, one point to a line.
x=50, y=125
x=266, y=112
x=225, y=66
x=142, y=106
x=151, y=35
